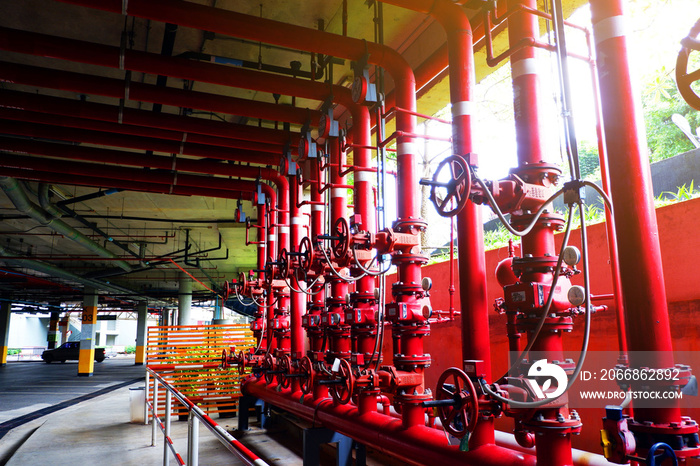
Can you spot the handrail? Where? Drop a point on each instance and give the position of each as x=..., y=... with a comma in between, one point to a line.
x=196, y=416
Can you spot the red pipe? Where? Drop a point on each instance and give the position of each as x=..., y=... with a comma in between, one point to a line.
x=131, y=142
x=196, y=129
x=186, y=143
x=87, y=84
x=298, y=304
x=35, y=174
x=642, y=278
x=417, y=445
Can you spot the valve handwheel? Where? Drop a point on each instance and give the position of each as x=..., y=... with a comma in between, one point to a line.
x=305, y=254
x=224, y=360
x=240, y=360
x=341, y=231
x=451, y=196
x=342, y=393
x=269, y=365
x=283, y=263
x=285, y=367
x=226, y=290
x=460, y=418
x=269, y=271
x=242, y=284
x=684, y=79
x=306, y=371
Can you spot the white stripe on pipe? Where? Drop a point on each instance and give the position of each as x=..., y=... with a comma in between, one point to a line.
x=609, y=28
x=405, y=148
x=338, y=192
x=262, y=245
x=523, y=67
x=462, y=108
x=297, y=221
x=272, y=238
x=283, y=229
x=188, y=366
x=318, y=207
x=364, y=176
x=259, y=462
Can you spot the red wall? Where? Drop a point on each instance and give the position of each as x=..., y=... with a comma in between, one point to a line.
x=679, y=234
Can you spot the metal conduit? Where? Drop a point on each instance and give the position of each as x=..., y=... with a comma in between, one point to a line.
x=22, y=203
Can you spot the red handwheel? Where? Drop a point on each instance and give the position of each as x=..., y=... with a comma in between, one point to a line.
x=342, y=392
x=306, y=371
x=685, y=79
x=461, y=417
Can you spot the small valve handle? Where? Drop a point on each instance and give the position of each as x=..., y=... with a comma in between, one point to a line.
x=654, y=458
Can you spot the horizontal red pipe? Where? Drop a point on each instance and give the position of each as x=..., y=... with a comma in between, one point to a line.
x=130, y=142
x=196, y=129
x=109, y=87
x=418, y=445
x=32, y=43
x=184, y=141
x=108, y=182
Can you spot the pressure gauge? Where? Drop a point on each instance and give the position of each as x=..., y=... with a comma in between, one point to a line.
x=427, y=311
x=572, y=255
x=303, y=148
x=576, y=295
x=426, y=283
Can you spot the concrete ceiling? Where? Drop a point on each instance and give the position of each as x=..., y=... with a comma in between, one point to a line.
x=154, y=225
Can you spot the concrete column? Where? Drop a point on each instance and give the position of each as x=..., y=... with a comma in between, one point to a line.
x=4, y=330
x=184, y=302
x=86, y=363
x=52, y=337
x=141, y=333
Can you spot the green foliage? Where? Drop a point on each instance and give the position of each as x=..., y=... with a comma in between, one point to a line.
x=12, y=351
x=684, y=193
x=131, y=349
x=660, y=100
x=588, y=160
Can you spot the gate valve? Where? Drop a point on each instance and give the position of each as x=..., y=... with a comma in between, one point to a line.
x=281, y=322
x=283, y=263
x=239, y=215
x=363, y=91
x=332, y=319
x=327, y=126
x=527, y=297
x=417, y=311
x=284, y=378
x=307, y=146
x=268, y=367
x=684, y=79
x=617, y=441
x=241, y=285
x=389, y=240
x=271, y=270
x=311, y=320
x=512, y=194
x=450, y=197
x=288, y=167
x=457, y=402
x=361, y=310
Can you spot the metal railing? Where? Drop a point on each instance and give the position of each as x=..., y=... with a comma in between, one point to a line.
x=195, y=417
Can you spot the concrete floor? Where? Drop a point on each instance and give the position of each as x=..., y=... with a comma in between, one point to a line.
x=97, y=430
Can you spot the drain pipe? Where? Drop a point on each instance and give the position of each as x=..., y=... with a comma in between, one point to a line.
x=22, y=203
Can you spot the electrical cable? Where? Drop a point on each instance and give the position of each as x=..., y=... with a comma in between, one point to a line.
x=336, y=273
x=365, y=270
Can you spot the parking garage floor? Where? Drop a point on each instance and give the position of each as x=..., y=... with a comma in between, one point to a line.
x=48, y=415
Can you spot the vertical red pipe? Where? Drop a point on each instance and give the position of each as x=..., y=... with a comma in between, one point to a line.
x=553, y=449
x=641, y=270
x=298, y=304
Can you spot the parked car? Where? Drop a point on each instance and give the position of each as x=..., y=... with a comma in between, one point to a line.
x=69, y=351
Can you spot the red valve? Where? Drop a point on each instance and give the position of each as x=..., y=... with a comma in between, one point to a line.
x=342, y=392
x=240, y=360
x=283, y=264
x=224, y=360
x=269, y=272
x=226, y=290
x=451, y=196
x=460, y=389
x=683, y=78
